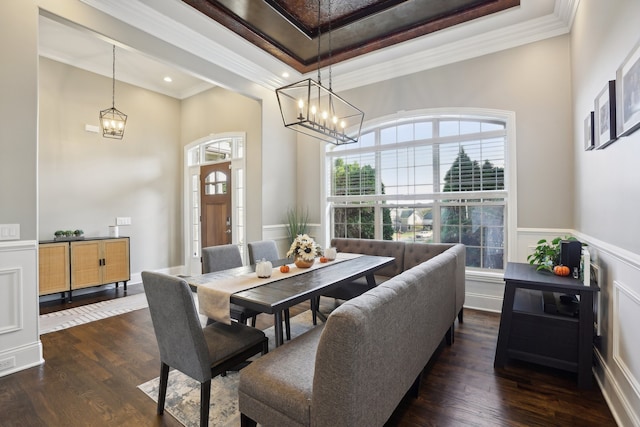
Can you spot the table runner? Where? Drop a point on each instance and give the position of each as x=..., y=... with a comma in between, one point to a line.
x=214, y=297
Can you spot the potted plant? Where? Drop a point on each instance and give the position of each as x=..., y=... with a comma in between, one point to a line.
x=296, y=223
x=547, y=254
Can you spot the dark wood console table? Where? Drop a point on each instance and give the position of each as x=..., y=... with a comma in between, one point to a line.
x=531, y=330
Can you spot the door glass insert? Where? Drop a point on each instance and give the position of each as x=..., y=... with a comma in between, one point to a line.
x=215, y=183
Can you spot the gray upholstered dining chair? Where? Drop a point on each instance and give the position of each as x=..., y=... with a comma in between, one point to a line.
x=268, y=250
x=184, y=345
x=263, y=249
x=224, y=257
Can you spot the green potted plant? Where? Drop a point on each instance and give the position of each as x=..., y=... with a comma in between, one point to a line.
x=547, y=254
x=296, y=223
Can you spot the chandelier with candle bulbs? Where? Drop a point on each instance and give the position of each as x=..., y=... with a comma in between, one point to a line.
x=312, y=109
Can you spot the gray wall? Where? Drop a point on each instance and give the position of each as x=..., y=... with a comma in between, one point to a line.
x=86, y=181
x=19, y=116
x=607, y=190
x=534, y=82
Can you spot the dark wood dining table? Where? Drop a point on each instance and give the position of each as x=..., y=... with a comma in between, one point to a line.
x=276, y=296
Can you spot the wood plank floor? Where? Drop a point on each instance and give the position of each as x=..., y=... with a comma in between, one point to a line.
x=91, y=373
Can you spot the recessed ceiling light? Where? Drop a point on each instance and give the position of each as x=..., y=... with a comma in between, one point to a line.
x=285, y=74
x=168, y=79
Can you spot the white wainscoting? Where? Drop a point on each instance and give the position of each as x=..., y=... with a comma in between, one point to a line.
x=617, y=369
x=20, y=346
x=626, y=335
x=11, y=284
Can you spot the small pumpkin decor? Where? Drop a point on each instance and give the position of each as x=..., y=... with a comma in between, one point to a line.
x=263, y=269
x=284, y=268
x=561, y=270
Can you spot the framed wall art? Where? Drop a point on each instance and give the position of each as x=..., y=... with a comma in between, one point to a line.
x=628, y=95
x=588, y=132
x=605, y=116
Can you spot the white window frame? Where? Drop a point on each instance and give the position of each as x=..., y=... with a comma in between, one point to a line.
x=510, y=178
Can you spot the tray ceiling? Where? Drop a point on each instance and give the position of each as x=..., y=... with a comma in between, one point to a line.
x=289, y=29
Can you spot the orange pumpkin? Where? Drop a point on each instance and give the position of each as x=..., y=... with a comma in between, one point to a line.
x=561, y=270
x=284, y=268
x=324, y=259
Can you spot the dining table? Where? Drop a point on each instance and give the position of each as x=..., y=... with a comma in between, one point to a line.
x=284, y=290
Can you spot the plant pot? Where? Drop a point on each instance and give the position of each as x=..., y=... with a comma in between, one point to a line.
x=301, y=263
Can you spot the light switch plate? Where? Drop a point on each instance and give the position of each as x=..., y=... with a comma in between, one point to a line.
x=123, y=220
x=9, y=231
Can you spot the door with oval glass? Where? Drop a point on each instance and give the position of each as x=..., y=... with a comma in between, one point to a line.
x=215, y=203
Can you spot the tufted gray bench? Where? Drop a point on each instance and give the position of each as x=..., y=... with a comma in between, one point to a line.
x=357, y=367
x=407, y=255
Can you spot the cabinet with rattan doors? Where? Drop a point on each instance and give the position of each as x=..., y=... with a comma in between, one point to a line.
x=53, y=268
x=98, y=262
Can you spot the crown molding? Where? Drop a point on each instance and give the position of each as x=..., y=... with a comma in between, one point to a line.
x=182, y=26
x=150, y=20
x=468, y=48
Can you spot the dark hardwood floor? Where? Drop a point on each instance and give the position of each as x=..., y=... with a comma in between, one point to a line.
x=91, y=373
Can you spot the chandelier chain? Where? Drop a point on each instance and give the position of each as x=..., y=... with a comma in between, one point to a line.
x=329, y=30
x=113, y=82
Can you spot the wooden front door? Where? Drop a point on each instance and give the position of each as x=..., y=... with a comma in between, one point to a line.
x=215, y=203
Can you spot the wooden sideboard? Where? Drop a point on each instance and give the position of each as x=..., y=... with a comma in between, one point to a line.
x=65, y=266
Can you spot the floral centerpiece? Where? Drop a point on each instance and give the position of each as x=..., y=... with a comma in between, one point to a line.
x=303, y=250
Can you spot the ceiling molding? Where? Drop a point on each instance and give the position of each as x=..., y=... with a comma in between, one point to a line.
x=484, y=44
x=182, y=26
x=148, y=19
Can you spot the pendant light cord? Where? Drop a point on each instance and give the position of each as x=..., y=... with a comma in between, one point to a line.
x=113, y=83
x=319, y=37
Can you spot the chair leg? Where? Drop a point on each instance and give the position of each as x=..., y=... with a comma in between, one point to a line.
x=287, y=324
x=253, y=321
x=460, y=320
x=205, y=399
x=246, y=421
x=450, y=334
x=162, y=392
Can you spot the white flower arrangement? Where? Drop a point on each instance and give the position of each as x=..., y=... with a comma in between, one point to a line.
x=303, y=247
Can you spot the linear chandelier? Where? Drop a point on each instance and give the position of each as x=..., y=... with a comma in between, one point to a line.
x=312, y=109
x=113, y=121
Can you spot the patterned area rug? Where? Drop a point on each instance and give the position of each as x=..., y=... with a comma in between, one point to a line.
x=88, y=313
x=183, y=393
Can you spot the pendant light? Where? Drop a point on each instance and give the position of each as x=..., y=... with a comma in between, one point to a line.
x=113, y=121
x=312, y=109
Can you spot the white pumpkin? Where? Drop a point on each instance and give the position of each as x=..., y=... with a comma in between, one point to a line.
x=264, y=268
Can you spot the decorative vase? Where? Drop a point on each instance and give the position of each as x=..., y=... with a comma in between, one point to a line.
x=302, y=263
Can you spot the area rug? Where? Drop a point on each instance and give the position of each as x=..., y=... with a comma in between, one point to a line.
x=63, y=319
x=183, y=393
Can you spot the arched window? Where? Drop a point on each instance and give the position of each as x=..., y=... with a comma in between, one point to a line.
x=425, y=178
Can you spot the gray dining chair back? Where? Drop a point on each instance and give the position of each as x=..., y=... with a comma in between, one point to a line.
x=184, y=345
x=263, y=249
x=223, y=257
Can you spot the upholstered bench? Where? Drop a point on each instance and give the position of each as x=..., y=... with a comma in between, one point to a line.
x=407, y=255
x=371, y=351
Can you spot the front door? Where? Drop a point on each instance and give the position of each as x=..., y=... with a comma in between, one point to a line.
x=215, y=203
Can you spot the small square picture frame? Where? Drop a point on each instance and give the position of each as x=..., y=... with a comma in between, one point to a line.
x=588, y=132
x=628, y=93
x=605, y=129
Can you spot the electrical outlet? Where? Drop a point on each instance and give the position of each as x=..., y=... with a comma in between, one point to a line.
x=7, y=363
x=123, y=220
